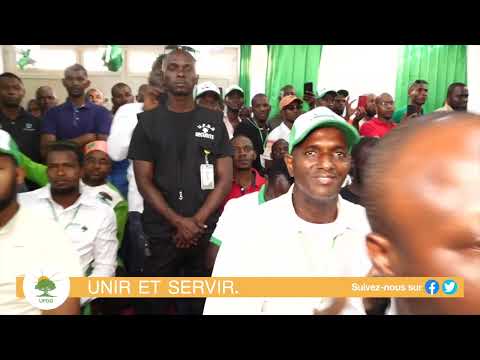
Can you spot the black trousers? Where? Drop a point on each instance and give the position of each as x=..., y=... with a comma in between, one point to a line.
x=166, y=260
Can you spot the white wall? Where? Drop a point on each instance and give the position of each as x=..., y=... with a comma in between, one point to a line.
x=258, y=69
x=359, y=68
x=473, y=77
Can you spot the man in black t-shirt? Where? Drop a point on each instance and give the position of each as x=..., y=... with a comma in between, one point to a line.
x=23, y=127
x=257, y=129
x=171, y=146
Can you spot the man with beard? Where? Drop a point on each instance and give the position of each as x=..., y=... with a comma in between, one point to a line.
x=90, y=224
x=183, y=167
x=382, y=124
x=28, y=240
x=77, y=120
x=365, y=114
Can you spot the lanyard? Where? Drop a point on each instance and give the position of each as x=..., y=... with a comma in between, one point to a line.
x=56, y=217
x=259, y=131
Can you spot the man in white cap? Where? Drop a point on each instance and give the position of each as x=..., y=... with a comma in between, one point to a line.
x=208, y=96
x=316, y=232
x=234, y=100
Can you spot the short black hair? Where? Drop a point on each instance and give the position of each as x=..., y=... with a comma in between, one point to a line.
x=330, y=93
x=417, y=82
x=258, y=96
x=120, y=85
x=76, y=67
x=452, y=87
x=359, y=156
x=282, y=90
x=278, y=168
x=9, y=75
x=343, y=93
x=66, y=146
x=158, y=62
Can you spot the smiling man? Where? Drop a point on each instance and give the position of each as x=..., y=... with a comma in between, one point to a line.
x=316, y=232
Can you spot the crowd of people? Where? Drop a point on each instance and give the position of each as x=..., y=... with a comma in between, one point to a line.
x=183, y=179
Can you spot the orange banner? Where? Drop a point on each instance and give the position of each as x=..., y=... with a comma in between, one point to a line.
x=160, y=287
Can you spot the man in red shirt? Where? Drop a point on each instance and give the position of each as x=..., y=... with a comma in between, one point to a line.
x=245, y=178
x=383, y=123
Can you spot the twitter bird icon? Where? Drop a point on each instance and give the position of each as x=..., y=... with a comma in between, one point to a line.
x=449, y=287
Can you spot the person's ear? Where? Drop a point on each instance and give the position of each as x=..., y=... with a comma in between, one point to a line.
x=380, y=251
x=19, y=175
x=289, y=163
x=88, y=82
x=254, y=155
x=196, y=79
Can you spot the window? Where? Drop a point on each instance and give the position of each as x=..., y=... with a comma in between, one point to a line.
x=92, y=59
x=47, y=58
x=140, y=61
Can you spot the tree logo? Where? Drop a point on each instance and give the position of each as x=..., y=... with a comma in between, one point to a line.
x=45, y=285
x=46, y=288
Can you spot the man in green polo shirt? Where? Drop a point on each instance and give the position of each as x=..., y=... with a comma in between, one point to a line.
x=417, y=94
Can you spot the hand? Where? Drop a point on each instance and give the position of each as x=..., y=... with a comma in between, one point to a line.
x=349, y=111
x=189, y=230
x=359, y=114
x=406, y=118
x=309, y=98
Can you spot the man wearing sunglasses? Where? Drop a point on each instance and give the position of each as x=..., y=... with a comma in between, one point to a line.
x=291, y=108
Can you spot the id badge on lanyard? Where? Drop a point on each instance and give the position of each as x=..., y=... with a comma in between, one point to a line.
x=207, y=174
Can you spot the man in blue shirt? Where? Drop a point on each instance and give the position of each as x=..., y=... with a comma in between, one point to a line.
x=77, y=120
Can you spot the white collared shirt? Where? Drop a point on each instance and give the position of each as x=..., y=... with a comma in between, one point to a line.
x=90, y=225
x=96, y=192
x=287, y=246
x=29, y=242
x=123, y=124
x=228, y=124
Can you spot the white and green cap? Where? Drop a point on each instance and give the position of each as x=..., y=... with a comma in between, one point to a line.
x=232, y=88
x=321, y=117
x=8, y=146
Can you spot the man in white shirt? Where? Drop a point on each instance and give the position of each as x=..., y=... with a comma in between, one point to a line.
x=316, y=232
x=234, y=100
x=123, y=124
x=290, y=108
x=457, y=98
x=28, y=240
x=425, y=210
x=277, y=183
x=90, y=225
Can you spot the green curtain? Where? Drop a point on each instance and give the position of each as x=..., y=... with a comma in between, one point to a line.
x=244, y=83
x=440, y=65
x=291, y=64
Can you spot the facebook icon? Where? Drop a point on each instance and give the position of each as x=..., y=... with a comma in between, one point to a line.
x=431, y=287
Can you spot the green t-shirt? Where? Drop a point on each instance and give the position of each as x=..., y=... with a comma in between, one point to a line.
x=400, y=114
